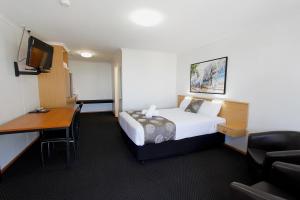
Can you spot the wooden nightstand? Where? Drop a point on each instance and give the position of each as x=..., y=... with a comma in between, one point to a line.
x=231, y=131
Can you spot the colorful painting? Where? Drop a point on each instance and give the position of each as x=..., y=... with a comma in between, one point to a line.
x=209, y=76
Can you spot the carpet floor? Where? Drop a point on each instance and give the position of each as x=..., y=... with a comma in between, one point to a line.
x=107, y=170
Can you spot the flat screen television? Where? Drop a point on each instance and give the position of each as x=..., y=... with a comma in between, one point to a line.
x=39, y=54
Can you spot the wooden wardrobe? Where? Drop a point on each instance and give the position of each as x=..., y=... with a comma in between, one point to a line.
x=55, y=86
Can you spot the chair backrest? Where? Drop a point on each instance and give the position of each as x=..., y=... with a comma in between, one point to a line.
x=80, y=105
x=269, y=141
x=275, y=140
x=76, y=122
x=294, y=140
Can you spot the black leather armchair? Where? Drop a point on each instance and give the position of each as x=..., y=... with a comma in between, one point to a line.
x=284, y=183
x=268, y=147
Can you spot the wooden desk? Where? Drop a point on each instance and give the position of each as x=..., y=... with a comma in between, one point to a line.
x=56, y=118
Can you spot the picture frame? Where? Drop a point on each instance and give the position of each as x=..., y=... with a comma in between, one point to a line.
x=209, y=76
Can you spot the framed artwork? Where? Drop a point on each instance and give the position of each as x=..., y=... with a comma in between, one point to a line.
x=209, y=76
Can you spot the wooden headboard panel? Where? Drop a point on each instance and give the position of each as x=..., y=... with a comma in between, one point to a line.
x=235, y=113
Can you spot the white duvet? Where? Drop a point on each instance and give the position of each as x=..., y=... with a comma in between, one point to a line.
x=187, y=124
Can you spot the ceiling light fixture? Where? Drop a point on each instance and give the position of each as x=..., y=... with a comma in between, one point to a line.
x=66, y=3
x=146, y=17
x=86, y=54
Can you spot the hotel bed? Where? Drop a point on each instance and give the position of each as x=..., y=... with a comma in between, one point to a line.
x=193, y=132
x=187, y=124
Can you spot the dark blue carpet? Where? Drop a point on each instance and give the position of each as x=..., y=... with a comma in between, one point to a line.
x=107, y=170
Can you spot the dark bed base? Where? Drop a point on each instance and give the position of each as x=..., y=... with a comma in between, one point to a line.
x=174, y=147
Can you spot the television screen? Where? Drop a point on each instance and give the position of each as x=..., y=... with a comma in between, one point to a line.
x=39, y=54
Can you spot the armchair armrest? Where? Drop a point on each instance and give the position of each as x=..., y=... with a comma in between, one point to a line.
x=284, y=154
x=289, y=156
x=241, y=191
x=273, y=140
x=286, y=175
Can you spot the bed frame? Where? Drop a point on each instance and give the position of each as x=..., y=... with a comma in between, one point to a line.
x=234, y=112
x=174, y=147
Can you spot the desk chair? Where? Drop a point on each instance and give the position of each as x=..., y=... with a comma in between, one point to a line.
x=52, y=137
x=80, y=105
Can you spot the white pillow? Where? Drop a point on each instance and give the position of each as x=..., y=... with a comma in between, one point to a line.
x=184, y=103
x=209, y=108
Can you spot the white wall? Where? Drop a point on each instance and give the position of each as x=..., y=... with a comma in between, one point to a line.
x=92, y=80
x=263, y=69
x=148, y=77
x=18, y=94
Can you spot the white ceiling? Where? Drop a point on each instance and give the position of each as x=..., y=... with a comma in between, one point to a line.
x=103, y=25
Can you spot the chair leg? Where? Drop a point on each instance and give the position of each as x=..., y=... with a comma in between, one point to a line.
x=77, y=142
x=48, y=149
x=77, y=149
x=52, y=146
x=74, y=149
x=42, y=155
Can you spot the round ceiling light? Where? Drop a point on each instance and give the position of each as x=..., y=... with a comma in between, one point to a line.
x=86, y=54
x=146, y=17
x=65, y=3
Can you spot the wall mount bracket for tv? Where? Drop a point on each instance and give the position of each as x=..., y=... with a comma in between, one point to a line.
x=16, y=64
x=18, y=72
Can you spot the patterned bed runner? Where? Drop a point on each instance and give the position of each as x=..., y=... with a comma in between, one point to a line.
x=156, y=129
